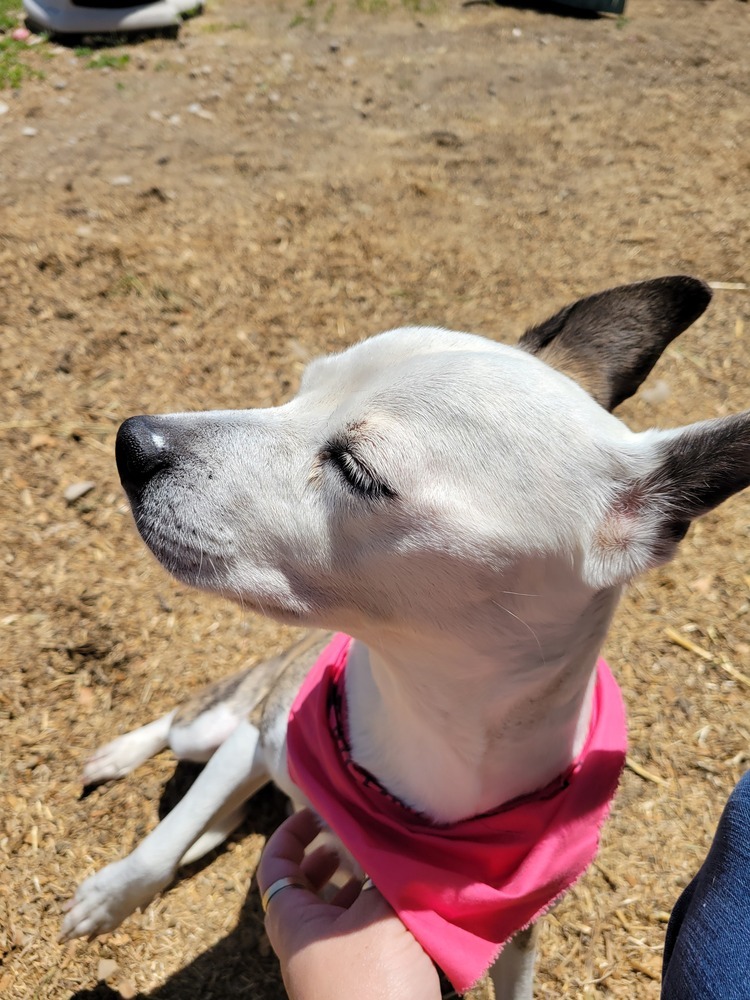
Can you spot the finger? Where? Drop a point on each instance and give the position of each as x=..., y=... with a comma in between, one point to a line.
x=320, y=866
x=348, y=893
x=285, y=850
x=371, y=905
x=292, y=918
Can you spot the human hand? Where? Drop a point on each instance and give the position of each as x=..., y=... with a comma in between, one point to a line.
x=354, y=946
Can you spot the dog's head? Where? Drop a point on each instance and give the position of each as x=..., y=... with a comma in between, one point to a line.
x=420, y=474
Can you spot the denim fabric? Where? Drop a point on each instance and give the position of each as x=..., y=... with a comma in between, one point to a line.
x=707, y=951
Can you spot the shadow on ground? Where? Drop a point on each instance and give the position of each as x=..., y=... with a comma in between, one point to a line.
x=208, y=976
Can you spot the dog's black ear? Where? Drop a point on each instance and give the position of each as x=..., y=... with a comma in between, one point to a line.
x=692, y=470
x=609, y=342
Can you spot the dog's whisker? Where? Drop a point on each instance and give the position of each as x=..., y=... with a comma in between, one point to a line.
x=526, y=626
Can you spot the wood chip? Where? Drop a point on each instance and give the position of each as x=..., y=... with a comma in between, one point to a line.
x=624, y=921
x=609, y=877
x=737, y=675
x=77, y=490
x=723, y=664
x=86, y=697
x=729, y=286
x=642, y=772
x=680, y=640
x=41, y=441
x=107, y=967
x=645, y=969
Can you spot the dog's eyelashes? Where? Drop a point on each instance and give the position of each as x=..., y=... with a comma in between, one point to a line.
x=355, y=473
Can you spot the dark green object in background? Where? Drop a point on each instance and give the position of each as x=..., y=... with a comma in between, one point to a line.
x=605, y=6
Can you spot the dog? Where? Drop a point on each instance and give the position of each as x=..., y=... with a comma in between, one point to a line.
x=469, y=512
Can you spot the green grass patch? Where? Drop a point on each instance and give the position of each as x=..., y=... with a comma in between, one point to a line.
x=10, y=14
x=109, y=60
x=13, y=70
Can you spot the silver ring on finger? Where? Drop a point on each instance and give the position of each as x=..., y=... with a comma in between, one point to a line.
x=288, y=882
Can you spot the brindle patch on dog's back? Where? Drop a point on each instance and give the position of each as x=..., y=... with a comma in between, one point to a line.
x=245, y=693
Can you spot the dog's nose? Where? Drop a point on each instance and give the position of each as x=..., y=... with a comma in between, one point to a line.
x=141, y=449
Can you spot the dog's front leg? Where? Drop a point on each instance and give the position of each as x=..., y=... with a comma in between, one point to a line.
x=512, y=974
x=234, y=773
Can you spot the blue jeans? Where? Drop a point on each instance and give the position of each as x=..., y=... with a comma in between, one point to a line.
x=707, y=951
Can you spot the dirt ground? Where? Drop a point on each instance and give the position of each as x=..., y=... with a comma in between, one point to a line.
x=183, y=229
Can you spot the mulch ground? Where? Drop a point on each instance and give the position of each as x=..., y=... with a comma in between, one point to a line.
x=183, y=229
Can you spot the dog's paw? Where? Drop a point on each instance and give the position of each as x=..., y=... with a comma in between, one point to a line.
x=118, y=758
x=105, y=899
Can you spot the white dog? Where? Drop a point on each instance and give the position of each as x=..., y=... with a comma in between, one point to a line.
x=469, y=513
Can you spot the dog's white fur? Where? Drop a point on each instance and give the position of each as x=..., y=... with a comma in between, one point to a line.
x=467, y=512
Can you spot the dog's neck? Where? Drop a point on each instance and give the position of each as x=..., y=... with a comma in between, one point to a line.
x=455, y=726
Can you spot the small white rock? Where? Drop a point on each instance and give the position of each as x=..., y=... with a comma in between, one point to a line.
x=516, y=32
x=199, y=111
x=659, y=392
x=4, y=108
x=29, y=131
x=121, y=181
x=77, y=490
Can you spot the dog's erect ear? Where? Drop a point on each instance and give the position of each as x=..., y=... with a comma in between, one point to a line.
x=692, y=470
x=610, y=342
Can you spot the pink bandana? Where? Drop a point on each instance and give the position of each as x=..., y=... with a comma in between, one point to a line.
x=463, y=889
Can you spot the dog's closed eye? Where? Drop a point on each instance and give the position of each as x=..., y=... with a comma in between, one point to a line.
x=355, y=473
